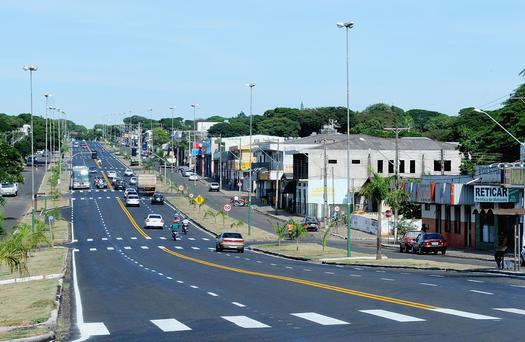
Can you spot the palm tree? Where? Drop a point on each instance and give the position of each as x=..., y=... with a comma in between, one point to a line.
x=522, y=73
x=376, y=189
x=298, y=231
x=280, y=230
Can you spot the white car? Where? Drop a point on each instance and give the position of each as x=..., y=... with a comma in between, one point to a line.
x=154, y=221
x=187, y=173
x=194, y=177
x=133, y=181
x=133, y=199
x=128, y=172
x=111, y=174
x=9, y=189
x=214, y=186
x=129, y=190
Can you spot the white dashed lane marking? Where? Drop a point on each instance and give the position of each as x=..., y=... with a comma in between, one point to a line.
x=239, y=304
x=392, y=315
x=481, y=292
x=319, y=319
x=170, y=324
x=245, y=322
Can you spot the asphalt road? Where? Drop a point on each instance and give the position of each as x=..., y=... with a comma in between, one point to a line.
x=16, y=207
x=138, y=284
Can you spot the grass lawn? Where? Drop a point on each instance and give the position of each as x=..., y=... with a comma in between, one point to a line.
x=21, y=333
x=215, y=224
x=313, y=251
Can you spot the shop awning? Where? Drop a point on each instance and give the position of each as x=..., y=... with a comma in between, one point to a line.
x=501, y=212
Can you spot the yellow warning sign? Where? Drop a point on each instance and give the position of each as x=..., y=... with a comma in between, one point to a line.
x=199, y=200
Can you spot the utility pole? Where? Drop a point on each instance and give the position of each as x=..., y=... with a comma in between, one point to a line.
x=140, y=145
x=220, y=162
x=171, y=139
x=325, y=185
x=277, y=178
x=396, y=171
x=442, y=162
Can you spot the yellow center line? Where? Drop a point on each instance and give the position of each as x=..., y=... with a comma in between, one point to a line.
x=280, y=277
x=305, y=282
x=131, y=219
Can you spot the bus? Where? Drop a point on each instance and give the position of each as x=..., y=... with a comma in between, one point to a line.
x=80, y=177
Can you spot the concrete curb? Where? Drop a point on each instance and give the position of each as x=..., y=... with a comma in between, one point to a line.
x=277, y=254
x=39, y=338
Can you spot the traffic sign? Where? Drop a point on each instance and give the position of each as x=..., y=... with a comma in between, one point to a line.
x=191, y=195
x=388, y=213
x=181, y=187
x=337, y=208
x=227, y=207
x=199, y=200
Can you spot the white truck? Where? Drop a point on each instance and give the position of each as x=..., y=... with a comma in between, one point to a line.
x=146, y=183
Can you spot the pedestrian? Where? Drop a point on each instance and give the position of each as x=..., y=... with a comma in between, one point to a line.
x=501, y=249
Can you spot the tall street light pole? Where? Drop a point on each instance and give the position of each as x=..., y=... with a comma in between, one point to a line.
x=194, y=106
x=31, y=69
x=172, y=109
x=251, y=85
x=349, y=196
x=47, y=148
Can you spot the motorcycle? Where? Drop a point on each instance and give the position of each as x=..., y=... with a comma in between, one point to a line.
x=185, y=227
x=174, y=235
x=238, y=203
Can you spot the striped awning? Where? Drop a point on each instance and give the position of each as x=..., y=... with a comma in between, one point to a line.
x=501, y=212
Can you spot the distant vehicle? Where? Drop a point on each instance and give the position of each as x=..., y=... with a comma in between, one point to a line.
x=214, y=187
x=132, y=199
x=119, y=184
x=154, y=221
x=94, y=155
x=229, y=241
x=111, y=174
x=35, y=160
x=85, y=146
x=194, y=177
x=75, y=144
x=405, y=243
x=101, y=184
x=182, y=168
x=130, y=190
x=9, y=189
x=128, y=172
x=311, y=223
x=80, y=177
x=157, y=198
x=134, y=161
x=187, y=173
x=133, y=181
x=93, y=169
x=429, y=242
x=146, y=183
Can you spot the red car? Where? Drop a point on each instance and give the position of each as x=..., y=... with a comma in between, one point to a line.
x=429, y=242
x=405, y=243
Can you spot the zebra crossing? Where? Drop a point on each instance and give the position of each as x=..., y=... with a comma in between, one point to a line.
x=171, y=324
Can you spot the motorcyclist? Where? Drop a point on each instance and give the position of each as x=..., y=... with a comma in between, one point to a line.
x=185, y=223
x=175, y=225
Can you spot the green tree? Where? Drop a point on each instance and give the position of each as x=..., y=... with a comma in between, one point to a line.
x=11, y=166
x=281, y=231
x=376, y=190
x=160, y=136
x=280, y=126
x=298, y=232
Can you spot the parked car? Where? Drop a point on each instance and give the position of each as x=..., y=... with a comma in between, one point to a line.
x=9, y=189
x=405, y=243
x=193, y=177
x=111, y=174
x=130, y=191
x=229, y=240
x=154, y=221
x=311, y=223
x=429, y=242
x=132, y=199
x=128, y=172
x=93, y=169
x=214, y=186
x=157, y=198
x=133, y=181
x=187, y=173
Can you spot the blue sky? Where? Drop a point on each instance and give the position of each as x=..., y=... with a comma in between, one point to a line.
x=101, y=58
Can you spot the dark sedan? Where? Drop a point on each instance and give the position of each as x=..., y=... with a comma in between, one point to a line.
x=157, y=198
x=311, y=223
x=429, y=242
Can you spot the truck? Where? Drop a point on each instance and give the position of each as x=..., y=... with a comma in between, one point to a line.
x=146, y=183
x=80, y=177
x=93, y=154
x=134, y=160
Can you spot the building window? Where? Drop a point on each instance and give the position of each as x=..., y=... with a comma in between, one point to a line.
x=448, y=210
x=412, y=166
x=457, y=219
x=438, y=218
x=332, y=161
x=380, y=166
x=437, y=165
x=390, y=166
x=448, y=165
x=487, y=228
x=356, y=161
x=401, y=166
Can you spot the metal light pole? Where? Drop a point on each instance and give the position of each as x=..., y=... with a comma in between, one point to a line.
x=350, y=197
x=46, y=149
x=251, y=85
x=172, y=109
x=31, y=69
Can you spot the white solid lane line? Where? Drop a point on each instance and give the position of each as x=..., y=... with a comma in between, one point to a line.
x=239, y=304
x=463, y=314
x=245, y=322
x=393, y=316
x=319, y=319
x=170, y=324
x=482, y=292
x=511, y=310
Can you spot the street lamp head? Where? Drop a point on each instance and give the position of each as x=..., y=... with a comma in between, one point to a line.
x=348, y=24
x=46, y=95
x=30, y=68
x=251, y=85
x=478, y=110
x=195, y=105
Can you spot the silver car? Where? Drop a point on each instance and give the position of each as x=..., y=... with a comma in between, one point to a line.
x=230, y=240
x=132, y=200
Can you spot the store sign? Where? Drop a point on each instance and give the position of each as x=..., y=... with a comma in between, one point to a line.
x=491, y=194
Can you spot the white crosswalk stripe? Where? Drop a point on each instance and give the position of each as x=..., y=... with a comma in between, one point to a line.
x=170, y=324
x=245, y=322
x=318, y=318
x=462, y=313
x=392, y=315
